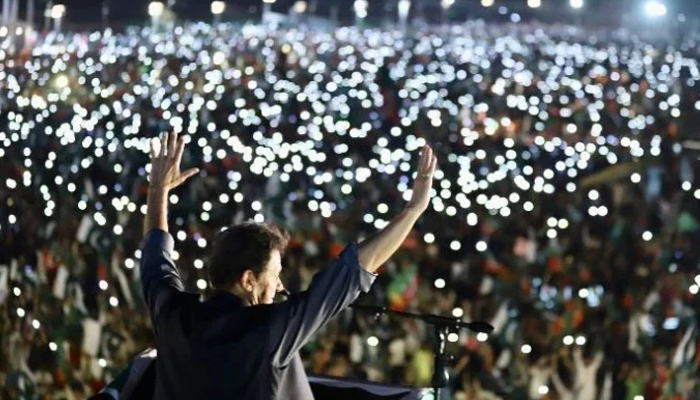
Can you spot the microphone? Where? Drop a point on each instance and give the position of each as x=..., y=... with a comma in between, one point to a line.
x=476, y=326
x=479, y=326
x=436, y=320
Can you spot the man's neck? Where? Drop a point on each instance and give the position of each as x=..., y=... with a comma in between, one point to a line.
x=240, y=292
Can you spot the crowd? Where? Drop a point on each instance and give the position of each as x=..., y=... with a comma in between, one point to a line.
x=565, y=211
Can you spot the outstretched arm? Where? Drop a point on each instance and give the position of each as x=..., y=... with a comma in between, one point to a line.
x=559, y=385
x=374, y=252
x=159, y=277
x=337, y=286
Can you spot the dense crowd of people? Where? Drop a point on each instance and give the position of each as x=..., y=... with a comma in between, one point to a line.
x=565, y=211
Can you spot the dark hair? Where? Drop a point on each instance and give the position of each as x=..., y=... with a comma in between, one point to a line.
x=242, y=247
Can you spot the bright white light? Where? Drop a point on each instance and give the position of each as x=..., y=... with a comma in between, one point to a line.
x=576, y=3
x=372, y=341
x=58, y=11
x=581, y=340
x=671, y=323
x=534, y=3
x=654, y=8
x=526, y=349
x=455, y=245
x=404, y=8
x=155, y=9
x=102, y=362
x=36, y=324
x=439, y=283
x=429, y=238
x=20, y=312
x=636, y=178
x=543, y=389
x=487, y=3
x=568, y=340
x=201, y=284
x=17, y=291
x=638, y=397
x=452, y=337
x=482, y=336
x=300, y=7
x=694, y=289
x=457, y=312
x=61, y=81
x=218, y=7
x=103, y=285
x=113, y=301
x=447, y=3
x=583, y=293
x=481, y=246
x=53, y=346
x=360, y=7
x=647, y=236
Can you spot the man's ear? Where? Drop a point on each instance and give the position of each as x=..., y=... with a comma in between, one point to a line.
x=248, y=280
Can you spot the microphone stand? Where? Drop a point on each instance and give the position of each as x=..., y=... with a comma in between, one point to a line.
x=441, y=326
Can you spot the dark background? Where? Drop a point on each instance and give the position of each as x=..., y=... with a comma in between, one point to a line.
x=88, y=13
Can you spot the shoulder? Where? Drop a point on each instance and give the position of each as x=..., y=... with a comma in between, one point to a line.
x=174, y=303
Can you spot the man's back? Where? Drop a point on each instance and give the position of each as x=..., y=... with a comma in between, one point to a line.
x=217, y=349
x=221, y=349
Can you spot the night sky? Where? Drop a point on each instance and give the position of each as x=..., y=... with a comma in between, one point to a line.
x=86, y=13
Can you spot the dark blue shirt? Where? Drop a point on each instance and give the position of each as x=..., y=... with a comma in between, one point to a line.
x=221, y=349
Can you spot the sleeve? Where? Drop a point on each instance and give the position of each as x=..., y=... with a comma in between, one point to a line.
x=332, y=290
x=159, y=276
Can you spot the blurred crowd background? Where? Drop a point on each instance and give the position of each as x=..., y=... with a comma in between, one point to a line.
x=565, y=210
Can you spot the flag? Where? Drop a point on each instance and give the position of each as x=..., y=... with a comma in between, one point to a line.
x=59, y=284
x=611, y=174
x=91, y=341
x=84, y=228
x=403, y=288
x=4, y=288
x=134, y=381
